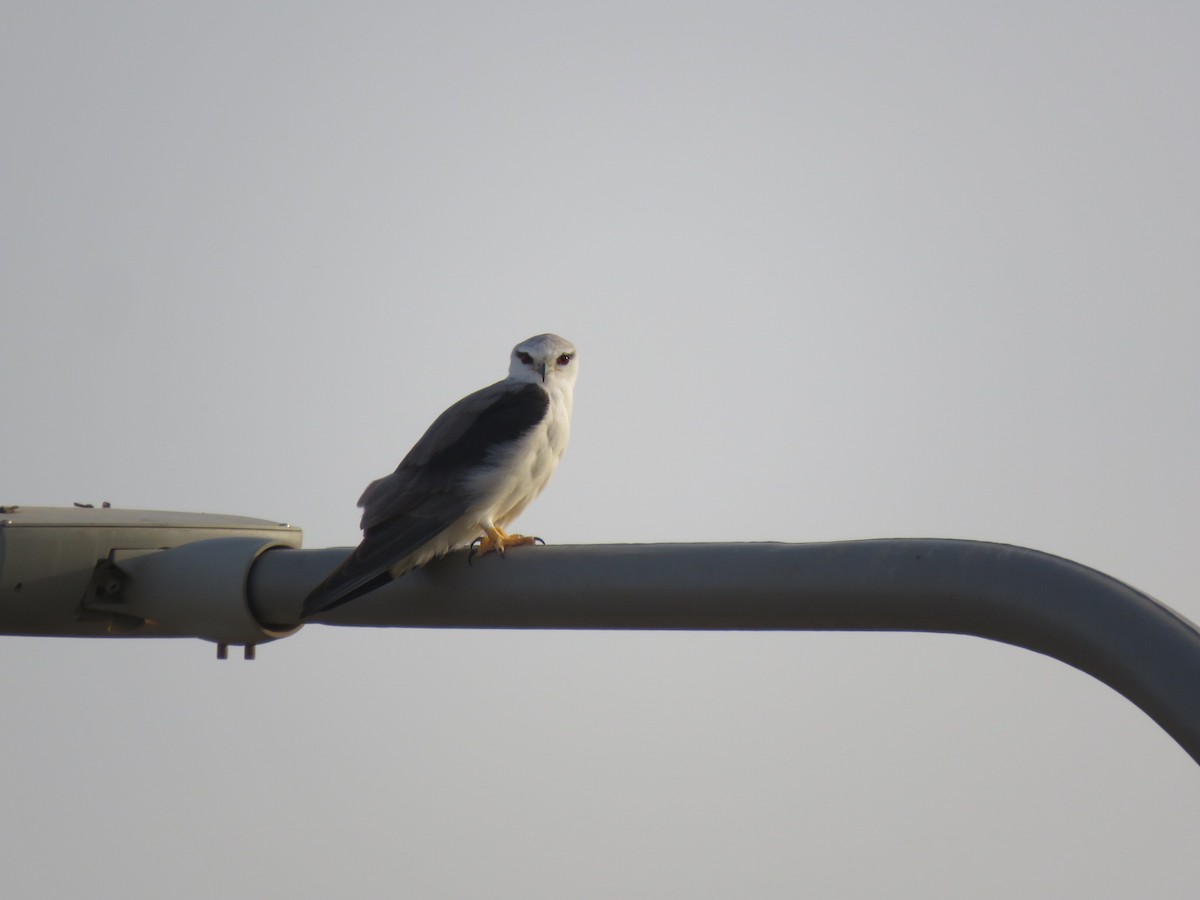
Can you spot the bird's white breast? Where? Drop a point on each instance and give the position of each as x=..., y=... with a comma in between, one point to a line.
x=518, y=477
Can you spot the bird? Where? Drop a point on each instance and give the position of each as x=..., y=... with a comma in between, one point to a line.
x=475, y=469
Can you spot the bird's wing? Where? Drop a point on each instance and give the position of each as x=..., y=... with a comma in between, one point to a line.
x=429, y=491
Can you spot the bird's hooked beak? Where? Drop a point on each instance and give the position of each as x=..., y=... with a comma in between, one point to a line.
x=541, y=370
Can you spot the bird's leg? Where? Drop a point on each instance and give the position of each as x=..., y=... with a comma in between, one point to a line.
x=514, y=540
x=492, y=540
x=498, y=540
x=520, y=540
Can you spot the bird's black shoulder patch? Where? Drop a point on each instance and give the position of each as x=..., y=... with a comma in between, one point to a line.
x=512, y=414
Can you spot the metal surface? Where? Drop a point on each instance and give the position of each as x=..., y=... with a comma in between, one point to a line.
x=199, y=588
x=1127, y=640
x=65, y=571
x=232, y=580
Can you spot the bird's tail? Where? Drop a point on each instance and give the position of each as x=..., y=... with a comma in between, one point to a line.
x=341, y=587
x=372, y=563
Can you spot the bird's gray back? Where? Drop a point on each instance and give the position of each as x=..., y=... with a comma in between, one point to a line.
x=428, y=483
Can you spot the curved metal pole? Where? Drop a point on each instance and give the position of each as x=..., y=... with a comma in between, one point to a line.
x=1127, y=640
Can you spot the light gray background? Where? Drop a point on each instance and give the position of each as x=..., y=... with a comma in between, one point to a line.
x=835, y=271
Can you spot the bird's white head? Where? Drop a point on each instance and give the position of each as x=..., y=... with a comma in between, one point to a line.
x=545, y=359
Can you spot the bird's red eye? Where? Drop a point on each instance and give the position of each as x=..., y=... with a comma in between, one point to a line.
x=564, y=359
x=524, y=357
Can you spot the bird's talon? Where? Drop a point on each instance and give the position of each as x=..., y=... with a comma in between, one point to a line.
x=538, y=540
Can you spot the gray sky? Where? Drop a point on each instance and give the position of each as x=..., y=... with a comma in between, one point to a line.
x=835, y=271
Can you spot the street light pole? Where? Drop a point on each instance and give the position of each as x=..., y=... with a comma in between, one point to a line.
x=230, y=580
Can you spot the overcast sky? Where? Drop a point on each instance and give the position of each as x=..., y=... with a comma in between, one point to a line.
x=834, y=271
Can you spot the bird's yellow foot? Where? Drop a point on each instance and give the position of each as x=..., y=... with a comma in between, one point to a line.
x=495, y=540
